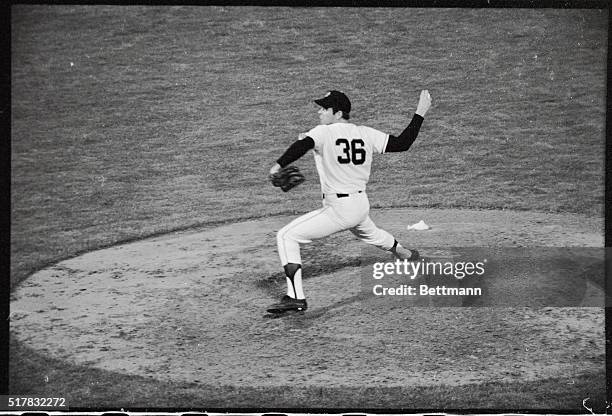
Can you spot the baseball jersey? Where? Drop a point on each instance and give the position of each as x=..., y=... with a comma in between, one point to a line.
x=343, y=155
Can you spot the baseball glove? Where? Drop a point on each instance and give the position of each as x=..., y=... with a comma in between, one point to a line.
x=287, y=178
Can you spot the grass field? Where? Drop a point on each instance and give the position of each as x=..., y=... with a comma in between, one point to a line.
x=134, y=121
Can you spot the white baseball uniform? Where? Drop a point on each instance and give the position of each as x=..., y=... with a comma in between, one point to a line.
x=343, y=155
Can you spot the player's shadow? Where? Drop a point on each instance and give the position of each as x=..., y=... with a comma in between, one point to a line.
x=514, y=277
x=274, y=283
x=527, y=277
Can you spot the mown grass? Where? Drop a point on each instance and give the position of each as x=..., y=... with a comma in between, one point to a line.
x=130, y=121
x=171, y=116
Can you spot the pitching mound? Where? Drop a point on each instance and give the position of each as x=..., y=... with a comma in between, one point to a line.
x=189, y=306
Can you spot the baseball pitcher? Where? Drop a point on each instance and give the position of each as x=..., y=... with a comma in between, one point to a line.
x=343, y=155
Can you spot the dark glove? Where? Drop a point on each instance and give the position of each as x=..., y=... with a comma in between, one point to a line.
x=287, y=178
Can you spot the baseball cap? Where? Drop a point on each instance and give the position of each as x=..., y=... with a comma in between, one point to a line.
x=336, y=100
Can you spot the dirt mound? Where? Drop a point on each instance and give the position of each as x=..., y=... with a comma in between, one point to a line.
x=189, y=306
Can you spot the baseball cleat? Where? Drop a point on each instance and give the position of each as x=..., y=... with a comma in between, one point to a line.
x=288, y=303
x=406, y=254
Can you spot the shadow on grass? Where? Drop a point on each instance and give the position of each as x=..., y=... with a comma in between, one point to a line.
x=90, y=388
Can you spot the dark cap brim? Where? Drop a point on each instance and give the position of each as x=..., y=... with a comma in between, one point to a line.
x=324, y=102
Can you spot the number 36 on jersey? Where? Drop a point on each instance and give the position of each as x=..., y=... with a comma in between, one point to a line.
x=352, y=151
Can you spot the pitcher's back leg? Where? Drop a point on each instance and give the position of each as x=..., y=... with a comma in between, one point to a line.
x=368, y=232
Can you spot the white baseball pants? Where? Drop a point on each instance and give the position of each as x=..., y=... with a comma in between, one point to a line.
x=337, y=214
